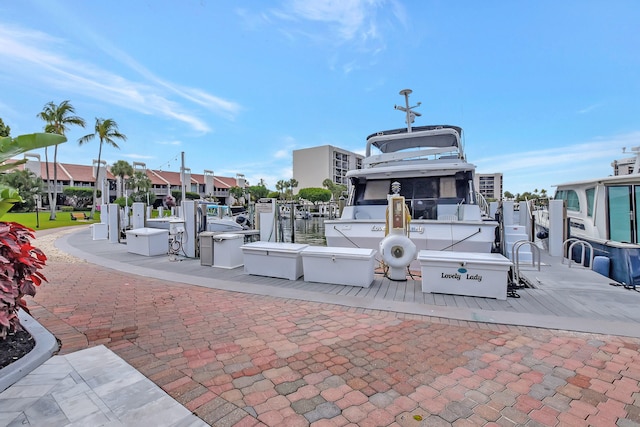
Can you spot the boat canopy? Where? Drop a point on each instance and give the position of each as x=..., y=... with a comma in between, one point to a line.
x=435, y=136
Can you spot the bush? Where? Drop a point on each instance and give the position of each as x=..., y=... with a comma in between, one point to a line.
x=79, y=197
x=188, y=195
x=120, y=201
x=19, y=275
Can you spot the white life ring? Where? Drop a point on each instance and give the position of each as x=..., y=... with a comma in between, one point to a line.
x=397, y=250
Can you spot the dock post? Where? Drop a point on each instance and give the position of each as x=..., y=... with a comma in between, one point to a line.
x=556, y=227
x=507, y=212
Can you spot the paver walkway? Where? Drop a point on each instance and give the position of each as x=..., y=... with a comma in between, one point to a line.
x=238, y=359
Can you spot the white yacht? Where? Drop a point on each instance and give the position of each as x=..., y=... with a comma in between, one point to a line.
x=606, y=213
x=429, y=164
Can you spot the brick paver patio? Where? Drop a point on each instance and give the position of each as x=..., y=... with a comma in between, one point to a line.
x=237, y=359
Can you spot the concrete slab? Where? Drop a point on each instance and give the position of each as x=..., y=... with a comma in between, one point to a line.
x=90, y=387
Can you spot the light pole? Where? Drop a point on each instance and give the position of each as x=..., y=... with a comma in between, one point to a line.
x=37, y=197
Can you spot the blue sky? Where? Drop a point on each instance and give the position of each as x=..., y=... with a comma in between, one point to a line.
x=546, y=91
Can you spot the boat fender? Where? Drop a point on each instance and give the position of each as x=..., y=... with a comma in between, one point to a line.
x=242, y=220
x=397, y=250
x=542, y=235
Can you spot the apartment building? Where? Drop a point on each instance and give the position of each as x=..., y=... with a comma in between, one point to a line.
x=311, y=166
x=624, y=166
x=489, y=185
x=162, y=182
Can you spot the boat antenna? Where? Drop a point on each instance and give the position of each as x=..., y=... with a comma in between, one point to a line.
x=411, y=115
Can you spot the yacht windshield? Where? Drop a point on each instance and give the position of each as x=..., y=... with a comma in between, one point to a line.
x=422, y=195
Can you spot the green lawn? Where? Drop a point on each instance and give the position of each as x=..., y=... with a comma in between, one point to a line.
x=42, y=222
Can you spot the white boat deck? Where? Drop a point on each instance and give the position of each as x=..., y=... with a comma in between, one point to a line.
x=563, y=298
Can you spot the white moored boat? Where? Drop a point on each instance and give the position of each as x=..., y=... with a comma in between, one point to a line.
x=604, y=212
x=436, y=181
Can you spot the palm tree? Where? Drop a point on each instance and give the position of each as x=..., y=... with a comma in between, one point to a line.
x=292, y=183
x=141, y=183
x=122, y=168
x=280, y=186
x=58, y=119
x=107, y=131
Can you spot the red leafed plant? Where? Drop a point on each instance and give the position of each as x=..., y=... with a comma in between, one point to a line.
x=19, y=275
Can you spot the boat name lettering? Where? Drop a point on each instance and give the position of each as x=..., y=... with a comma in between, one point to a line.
x=413, y=229
x=457, y=276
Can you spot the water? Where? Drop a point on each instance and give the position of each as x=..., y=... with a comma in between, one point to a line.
x=309, y=231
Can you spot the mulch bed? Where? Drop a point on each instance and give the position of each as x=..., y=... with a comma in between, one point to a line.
x=16, y=345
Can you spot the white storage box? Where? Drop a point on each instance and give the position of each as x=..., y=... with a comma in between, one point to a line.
x=272, y=259
x=339, y=266
x=464, y=273
x=226, y=250
x=148, y=241
x=99, y=231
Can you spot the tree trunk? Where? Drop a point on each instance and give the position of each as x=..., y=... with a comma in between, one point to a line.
x=98, y=182
x=54, y=200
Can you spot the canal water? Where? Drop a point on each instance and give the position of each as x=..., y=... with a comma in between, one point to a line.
x=309, y=231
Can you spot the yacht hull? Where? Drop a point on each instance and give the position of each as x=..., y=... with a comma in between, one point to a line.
x=457, y=236
x=624, y=259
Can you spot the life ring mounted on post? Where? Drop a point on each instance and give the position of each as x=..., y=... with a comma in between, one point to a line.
x=397, y=251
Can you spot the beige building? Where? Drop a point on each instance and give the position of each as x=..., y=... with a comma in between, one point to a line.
x=489, y=185
x=311, y=166
x=624, y=166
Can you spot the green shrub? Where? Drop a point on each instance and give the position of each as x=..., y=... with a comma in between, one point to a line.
x=120, y=201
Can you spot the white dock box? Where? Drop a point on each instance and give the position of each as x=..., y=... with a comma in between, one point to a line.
x=464, y=273
x=273, y=259
x=148, y=241
x=100, y=231
x=339, y=266
x=226, y=250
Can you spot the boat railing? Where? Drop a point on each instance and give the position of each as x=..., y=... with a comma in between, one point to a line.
x=584, y=245
x=515, y=256
x=430, y=154
x=482, y=202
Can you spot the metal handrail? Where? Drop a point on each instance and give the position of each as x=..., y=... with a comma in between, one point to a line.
x=583, y=245
x=482, y=202
x=515, y=256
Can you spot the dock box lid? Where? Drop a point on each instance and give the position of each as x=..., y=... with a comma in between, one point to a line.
x=338, y=252
x=470, y=257
x=274, y=247
x=147, y=231
x=227, y=236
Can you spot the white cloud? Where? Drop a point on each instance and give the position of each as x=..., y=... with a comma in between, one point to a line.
x=348, y=16
x=281, y=154
x=138, y=156
x=37, y=59
x=552, y=158
x=588, y=109
x=545, y=168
